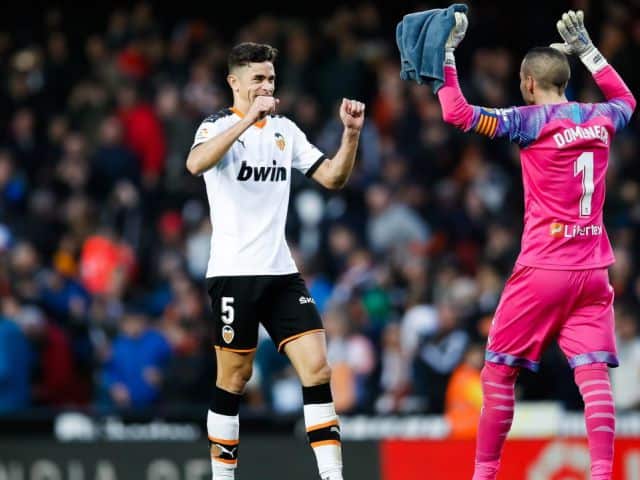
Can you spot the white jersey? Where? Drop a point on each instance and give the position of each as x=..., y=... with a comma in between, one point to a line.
x=248, y=192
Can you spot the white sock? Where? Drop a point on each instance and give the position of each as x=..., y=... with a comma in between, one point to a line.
x=223, y=431
x=323, y=431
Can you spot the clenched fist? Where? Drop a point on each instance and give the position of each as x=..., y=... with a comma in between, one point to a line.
x=262, y=106
x=352, y=114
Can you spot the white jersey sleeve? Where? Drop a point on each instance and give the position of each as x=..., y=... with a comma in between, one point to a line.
x=210, y=127
x=306, y=156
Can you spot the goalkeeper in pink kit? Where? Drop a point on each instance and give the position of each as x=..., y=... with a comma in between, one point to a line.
x=559, y=288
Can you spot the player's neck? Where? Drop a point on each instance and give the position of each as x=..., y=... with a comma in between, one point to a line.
x=240, y=108
x=240, y=105
x=550, y=99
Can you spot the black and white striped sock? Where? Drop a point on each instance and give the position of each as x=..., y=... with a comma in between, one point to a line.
x=323, y=430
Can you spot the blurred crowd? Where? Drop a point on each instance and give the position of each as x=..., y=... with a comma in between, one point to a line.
x=104, y=236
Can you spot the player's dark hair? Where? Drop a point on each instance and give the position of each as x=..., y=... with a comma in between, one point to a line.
x=549, y=67
x=250, y=52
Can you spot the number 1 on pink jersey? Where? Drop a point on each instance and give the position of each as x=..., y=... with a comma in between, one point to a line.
x=584, y=165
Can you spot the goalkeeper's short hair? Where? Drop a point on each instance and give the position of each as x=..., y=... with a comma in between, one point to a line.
x=549, y=67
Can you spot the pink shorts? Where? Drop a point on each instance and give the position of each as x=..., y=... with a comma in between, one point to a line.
x=573, y=306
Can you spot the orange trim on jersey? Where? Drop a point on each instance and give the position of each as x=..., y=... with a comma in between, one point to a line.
x=236, y=350
x=259, y=124
x=325, y=442
x=226, y=443
x=294, y=337
x=313, y=428
x=224, y=460
x=493, y=126
x=487, y=125
x=482, y=125
x=490, y=123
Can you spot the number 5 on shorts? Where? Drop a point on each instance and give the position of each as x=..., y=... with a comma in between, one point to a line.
x=227, y=310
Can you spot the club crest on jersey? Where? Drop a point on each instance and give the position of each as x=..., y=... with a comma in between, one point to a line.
x=228, y=334
x=280, y=141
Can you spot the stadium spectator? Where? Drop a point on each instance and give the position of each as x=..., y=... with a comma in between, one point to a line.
x=15, y=363
x=352, y=358
x=463, y=398
x=142, y=133
x=625, y=380
x=133, y=375
x=439, y=355
x=56, y=379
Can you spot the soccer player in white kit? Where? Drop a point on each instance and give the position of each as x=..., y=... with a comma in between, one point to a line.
x=245, y=154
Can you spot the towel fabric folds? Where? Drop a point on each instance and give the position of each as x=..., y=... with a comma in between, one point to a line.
x=421, y=38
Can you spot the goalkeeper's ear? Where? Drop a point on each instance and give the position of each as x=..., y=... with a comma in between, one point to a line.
x=562, y=47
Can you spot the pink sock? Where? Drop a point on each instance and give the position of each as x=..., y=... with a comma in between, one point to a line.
x=498, y=403
x=599, y=414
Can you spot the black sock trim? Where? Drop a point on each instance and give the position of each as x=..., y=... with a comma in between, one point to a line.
x=225, y=452
x=225, y=403
x=317, y=394
x=324, y=434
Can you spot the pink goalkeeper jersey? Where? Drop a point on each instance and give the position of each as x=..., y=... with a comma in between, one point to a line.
x=564, y=156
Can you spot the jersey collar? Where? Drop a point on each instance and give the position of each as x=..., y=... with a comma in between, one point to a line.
x=258, y=124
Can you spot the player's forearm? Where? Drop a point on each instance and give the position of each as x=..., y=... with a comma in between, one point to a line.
x=455, y=109
x=613, y=87
x=341, y=165
x=208, y=154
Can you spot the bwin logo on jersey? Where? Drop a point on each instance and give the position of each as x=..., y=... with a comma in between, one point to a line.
x=262, y=173
x=305, y=300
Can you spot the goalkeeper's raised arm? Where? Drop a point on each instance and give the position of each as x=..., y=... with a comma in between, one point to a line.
x=544, y=75
x=620, y=102
x=455, y=109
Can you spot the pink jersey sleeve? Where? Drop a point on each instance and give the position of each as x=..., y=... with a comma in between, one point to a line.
x=520, y=124
x=620, y=102
x=455, y=109
x=523, y=125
